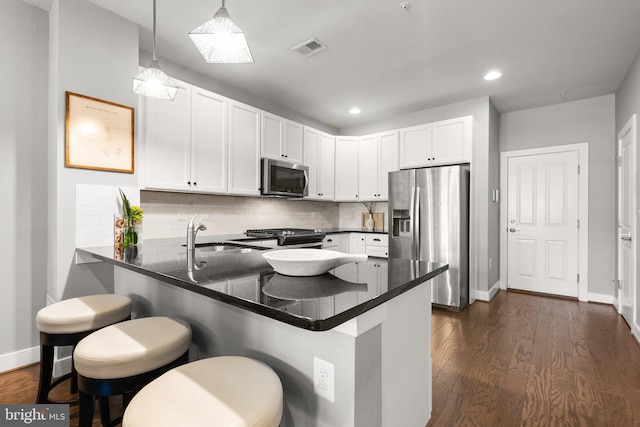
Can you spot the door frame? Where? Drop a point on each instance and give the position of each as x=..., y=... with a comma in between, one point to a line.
x=629, y=127
x=583, y=209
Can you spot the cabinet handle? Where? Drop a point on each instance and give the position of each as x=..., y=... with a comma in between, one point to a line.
x=376, y=240
x=329, y=240
x=195, y=183
x=188, y=182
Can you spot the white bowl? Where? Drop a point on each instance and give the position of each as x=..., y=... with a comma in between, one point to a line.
x=308, y=262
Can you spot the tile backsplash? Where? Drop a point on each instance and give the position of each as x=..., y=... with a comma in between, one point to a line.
x=167, y=214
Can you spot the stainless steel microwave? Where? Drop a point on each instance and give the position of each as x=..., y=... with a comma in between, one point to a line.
x=284, y=179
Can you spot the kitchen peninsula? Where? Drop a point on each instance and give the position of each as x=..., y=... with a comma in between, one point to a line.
x=363, y=329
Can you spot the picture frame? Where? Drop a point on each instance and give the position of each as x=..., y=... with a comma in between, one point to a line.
x=99, y=134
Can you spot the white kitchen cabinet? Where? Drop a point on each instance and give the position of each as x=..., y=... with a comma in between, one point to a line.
x=244, y=149
x=209, y=125
x=281, y=138
x=336, y=242
x=439, y=143
x=186, y=142
x=377, y=245
x=326, y=171
x=372, y=244
x=318, y=150
x=168, y=142
x=346, y=186
x=357, y=243
x=378, y=155
x=245, y=287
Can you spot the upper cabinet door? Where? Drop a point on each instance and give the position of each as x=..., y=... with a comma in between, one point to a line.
x=346, y=169
x=244, y=149
x=326, y=172
x=387, y=161
x=415, y=146
x=208, y=142
x=440, y=143
x=168, y=142
x=368, y=168
x=272, y=136
x=311, y=141
x=293, y=142
x=281, y=138
x=452, y=141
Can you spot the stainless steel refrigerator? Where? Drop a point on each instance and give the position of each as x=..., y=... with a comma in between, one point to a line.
x=429, y=216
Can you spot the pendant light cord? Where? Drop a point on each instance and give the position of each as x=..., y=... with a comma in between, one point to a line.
x=155, y=35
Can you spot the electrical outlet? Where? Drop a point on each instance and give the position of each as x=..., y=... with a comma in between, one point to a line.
x=323, y=379
x=489, y=263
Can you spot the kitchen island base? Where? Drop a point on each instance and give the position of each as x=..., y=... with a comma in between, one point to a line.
x=381, y=358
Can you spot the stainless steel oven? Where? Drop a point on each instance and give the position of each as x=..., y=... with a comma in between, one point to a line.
x=284, y=179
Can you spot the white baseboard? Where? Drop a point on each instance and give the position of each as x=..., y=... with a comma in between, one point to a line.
x=635, y=331
x=488, y=295
x=61, y=366
x=601, y=298
x=19, y=358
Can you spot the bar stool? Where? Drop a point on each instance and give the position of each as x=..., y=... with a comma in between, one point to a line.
x=65, y=323
x=225, y=391
x=122, y=358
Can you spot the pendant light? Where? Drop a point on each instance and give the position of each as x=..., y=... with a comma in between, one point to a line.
x=220, y=40
x=153, y=82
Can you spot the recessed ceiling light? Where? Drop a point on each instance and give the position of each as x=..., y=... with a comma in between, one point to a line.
x=493, y=75
x=354, y=110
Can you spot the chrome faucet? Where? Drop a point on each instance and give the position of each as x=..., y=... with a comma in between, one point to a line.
x=192, y=231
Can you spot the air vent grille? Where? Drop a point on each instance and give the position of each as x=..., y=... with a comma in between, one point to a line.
x=310, y=47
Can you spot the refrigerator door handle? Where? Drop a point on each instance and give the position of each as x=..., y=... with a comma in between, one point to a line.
x=417, y=224
x=412, y=222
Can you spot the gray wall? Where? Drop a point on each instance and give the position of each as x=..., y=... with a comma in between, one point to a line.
x=93, y=52
x=592, y=121
x=23, y=161
x=628, y=104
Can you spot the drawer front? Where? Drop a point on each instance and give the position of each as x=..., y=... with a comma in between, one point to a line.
x=331, y=241
x=377, y=240
x=378, y=251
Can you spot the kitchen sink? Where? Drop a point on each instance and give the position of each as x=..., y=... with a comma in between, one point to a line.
x=226, y=247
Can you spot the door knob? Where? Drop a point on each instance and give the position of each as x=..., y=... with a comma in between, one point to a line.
x=513, y=230
x=626, y=238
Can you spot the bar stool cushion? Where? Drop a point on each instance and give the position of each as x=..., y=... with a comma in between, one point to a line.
x=131, y=348
x=225, y=391
x=83, y=313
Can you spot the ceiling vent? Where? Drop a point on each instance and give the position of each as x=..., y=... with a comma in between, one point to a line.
x=310, y=47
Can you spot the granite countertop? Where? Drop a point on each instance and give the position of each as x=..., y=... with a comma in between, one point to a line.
x=244, y=279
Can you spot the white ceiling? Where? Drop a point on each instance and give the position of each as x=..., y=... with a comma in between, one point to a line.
x=390, y=62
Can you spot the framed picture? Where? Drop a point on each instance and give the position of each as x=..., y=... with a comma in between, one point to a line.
x=99, y=134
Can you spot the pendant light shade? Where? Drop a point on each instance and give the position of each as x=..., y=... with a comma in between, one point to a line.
x=221, y=41
x=153, y=82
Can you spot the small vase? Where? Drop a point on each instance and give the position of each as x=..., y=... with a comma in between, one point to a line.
x=130, y=237
x=369, y=223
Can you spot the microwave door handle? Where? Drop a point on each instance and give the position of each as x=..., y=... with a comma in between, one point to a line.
x=306, y=181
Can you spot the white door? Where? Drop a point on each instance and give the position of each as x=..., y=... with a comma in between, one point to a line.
x=542, y=223
x=626, y=219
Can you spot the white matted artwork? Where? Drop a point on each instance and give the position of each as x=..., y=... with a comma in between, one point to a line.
x=99, y=134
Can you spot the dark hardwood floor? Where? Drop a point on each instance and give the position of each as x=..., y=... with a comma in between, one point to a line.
x=529, y=360
x=520, y=360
